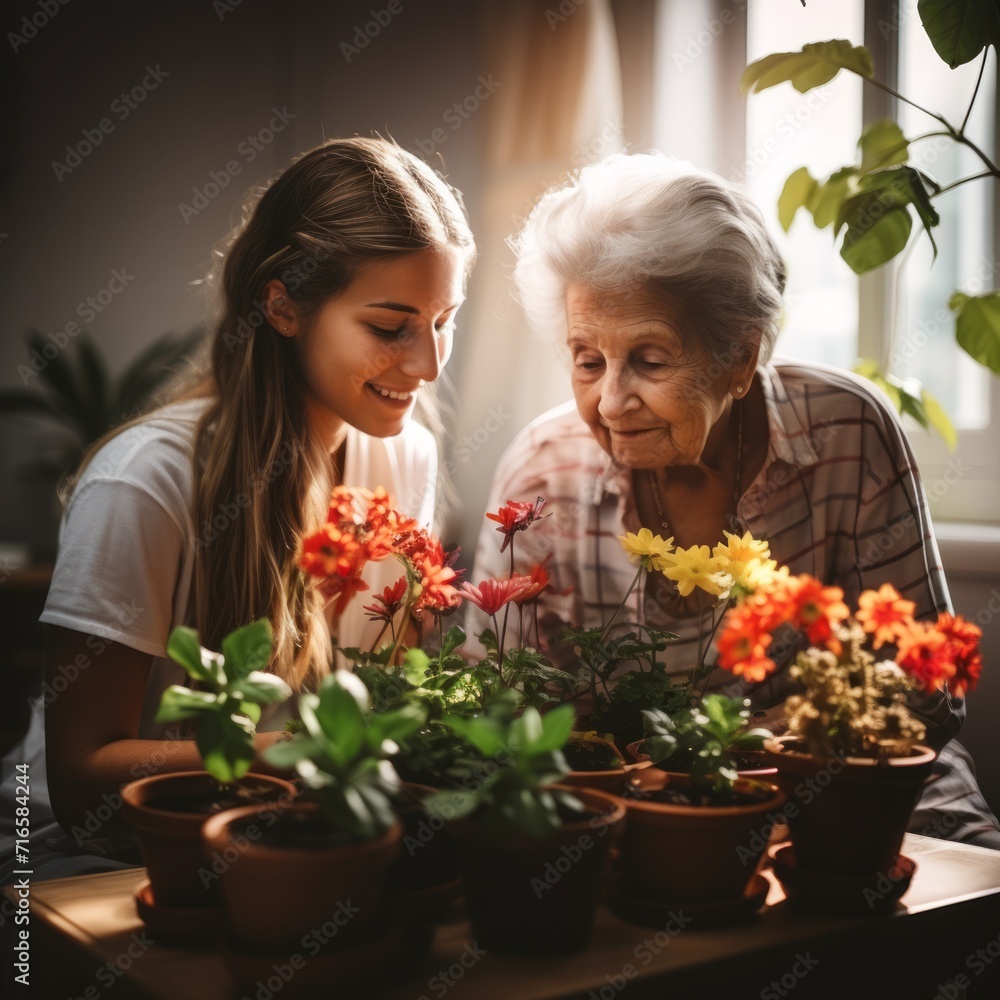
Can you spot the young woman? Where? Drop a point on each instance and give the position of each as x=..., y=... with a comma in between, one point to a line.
x=338, y=303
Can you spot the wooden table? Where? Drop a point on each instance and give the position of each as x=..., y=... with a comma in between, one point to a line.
x=942, y=942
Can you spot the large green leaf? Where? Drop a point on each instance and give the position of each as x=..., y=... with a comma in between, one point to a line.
x=396, y=724
x=960, y=29
x=177, y=703
x=184, y=648
x=95, y=380
x=871, y=240
x=248, y=648
x=799, y=190
x=484, y=733
x=61, y=377
x=977, y=326
x=939, y=420
x=816, y=64
x=556, y=727
x=340, y=719
x=883, y=145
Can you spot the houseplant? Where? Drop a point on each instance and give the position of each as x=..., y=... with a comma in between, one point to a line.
x=533, y=852
x=322, y=862
x=853, y=762
x=167, y=810
x=871, y=201
x=703, y=810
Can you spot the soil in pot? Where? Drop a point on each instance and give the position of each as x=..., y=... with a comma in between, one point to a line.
x=529, y=897
x=209, y=801
x=591, y=755
x=686, y=796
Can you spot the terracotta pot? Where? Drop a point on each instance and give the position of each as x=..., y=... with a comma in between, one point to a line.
x=277, y=895
x=170, y=840
x=611, y=782
x=847, y=814
x=425, y=877
x=759, y=770
x=680, y=853
x=538, y=897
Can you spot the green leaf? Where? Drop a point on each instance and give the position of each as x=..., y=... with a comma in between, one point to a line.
x=184, y=648
x=396, y=724
x=453, y=804
x=828, y=197
x=484, y=733
x=340, y=719
x=226, y=746
x=883, y=145
x=816, y=64
x=939, y=420
x=95, y=380
x=977, y=326
x=798, y=191
x=960, y=29
x=177, y=703
x=261, y=688
x=526, y=730
x=248, y=648
x=556, y=727
x=869, y=245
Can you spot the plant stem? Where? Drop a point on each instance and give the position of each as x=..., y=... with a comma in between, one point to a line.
x=402, y=631
x=378, y=638
x=964, y=180
x=618, y=610
x=913, y=104
x=979, y=80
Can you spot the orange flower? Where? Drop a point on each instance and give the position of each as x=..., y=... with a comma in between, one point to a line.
x=437, y=577
x=329, y=551
x=884, y=614
x=962, y=644
x=538, y=581
x=818, y=609
x=924, y=654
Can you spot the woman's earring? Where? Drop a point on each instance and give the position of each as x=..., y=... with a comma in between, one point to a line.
x=739, y=390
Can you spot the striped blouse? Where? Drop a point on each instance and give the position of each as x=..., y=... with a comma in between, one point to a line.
x=838, y=496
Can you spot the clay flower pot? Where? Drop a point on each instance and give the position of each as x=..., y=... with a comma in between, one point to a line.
x=751, y=762
x=847, y=814
x=538, y=897
x=167, y=812
x=293, y=878
x=613, y=781
x=674, y=853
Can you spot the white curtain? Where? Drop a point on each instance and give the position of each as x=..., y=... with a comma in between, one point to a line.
x=558, y=106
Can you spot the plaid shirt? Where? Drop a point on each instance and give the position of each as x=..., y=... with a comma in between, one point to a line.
x=838, y=496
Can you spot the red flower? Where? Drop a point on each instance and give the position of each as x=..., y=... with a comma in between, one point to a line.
x=491, y=595
x=515, y=516
x=437, y=576
x=538, y=582
x=388, y=602
x=923, y=653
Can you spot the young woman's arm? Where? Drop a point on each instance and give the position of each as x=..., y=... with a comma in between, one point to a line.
x=95, y=690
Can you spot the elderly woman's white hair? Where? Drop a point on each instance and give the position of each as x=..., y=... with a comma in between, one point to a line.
x=642, y=217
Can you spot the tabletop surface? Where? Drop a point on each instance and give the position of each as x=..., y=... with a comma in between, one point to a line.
x=96, y=916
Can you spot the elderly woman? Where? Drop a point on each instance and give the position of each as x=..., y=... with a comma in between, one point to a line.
x=666, y=288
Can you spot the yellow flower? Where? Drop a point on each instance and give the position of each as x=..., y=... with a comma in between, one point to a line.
x=747, y=560
x=697, y=567
x=652, y=551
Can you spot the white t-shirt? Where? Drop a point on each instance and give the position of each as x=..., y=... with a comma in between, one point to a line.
x=128, y=542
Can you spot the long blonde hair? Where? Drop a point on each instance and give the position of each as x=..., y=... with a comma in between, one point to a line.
x=338, y=208
x=257, y=473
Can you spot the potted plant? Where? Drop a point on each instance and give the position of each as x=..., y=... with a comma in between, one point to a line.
x=533, y=851
x=167, y=810
x=322, y=862
x=853, y=761
x=692, y=834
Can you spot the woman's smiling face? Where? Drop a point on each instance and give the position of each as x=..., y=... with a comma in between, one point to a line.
x=367, y=352
x=648, y=398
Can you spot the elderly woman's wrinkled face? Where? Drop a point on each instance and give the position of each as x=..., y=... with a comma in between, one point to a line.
x=649, y=400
